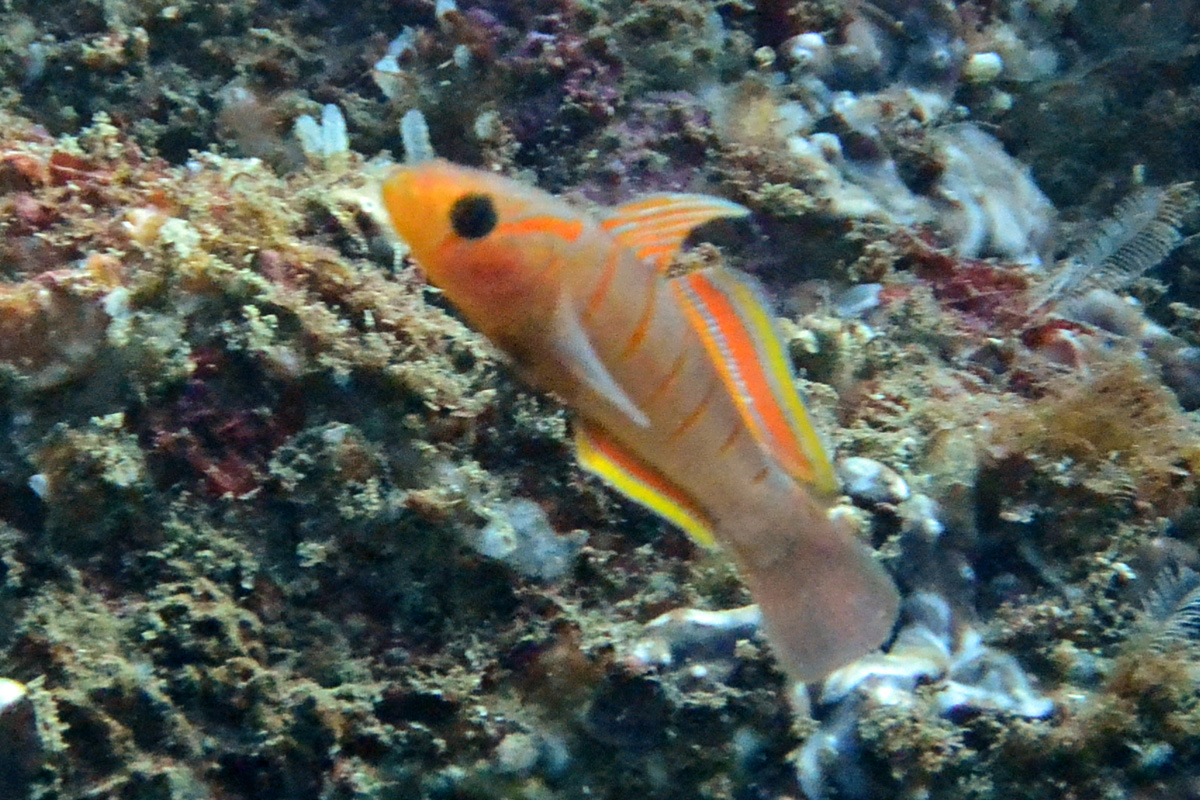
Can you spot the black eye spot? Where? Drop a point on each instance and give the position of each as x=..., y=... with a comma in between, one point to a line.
x=473, y=216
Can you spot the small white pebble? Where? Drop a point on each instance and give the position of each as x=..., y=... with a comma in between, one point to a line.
x=40, y=485
x=983, y=67
x=335, y=435
x=807, y=51
x=1124, y=572
x=764, y=57
x=868, y=481
x=20, y=745
x=517, y=753
x=858, y=299
x=462, y=56
x=116, y=303
x=11, y=692
x=443, y=7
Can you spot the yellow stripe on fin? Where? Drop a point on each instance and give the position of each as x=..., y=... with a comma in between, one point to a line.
x=733, y=318
x=638, y=481
x=655, y=226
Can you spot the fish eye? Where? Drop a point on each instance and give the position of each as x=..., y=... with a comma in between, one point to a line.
x=473, y=216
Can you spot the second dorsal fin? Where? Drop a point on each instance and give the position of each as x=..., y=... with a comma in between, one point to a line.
x=735, y=322
x=655, y=226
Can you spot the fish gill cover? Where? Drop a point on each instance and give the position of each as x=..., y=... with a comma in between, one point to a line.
x=261, y=493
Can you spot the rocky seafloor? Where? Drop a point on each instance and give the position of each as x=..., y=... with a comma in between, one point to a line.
x=274, y=524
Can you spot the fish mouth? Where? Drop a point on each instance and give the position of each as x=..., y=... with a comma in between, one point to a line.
x=374, y=198
x=398, y=202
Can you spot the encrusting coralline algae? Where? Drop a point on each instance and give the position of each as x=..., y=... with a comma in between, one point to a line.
x=247, y=457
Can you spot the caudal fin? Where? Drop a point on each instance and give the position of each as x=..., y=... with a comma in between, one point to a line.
x=825, y=603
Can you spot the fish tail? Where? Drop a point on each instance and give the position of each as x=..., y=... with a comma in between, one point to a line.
x=825, y=600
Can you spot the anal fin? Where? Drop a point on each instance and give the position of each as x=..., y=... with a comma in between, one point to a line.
x=638, y=481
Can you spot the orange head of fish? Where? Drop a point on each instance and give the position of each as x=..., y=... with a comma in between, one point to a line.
x=462, y=227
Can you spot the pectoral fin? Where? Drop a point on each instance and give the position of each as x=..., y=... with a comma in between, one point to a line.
x=655, y=226
x=638, y=481
x=735, y=322
x=576, y=354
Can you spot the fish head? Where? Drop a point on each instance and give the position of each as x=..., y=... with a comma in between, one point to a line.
x=453, y=219
x=437, y=208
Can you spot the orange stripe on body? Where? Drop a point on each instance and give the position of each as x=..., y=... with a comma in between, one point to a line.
x=643, y=472
x=734, y=435
x=691, y=419
x=567, y=229
x=606, y=278
x=643, y=324
x=672, y=376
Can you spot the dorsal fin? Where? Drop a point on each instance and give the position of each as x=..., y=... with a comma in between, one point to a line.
x=602, y=456
x=655, y=226
x=735, y=322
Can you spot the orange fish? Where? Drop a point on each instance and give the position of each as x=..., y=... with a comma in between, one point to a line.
x=684, y=396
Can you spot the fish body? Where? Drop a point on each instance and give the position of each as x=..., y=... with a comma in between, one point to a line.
x=684, y=398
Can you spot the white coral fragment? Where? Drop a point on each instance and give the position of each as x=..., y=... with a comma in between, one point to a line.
x=326, y=139
x=519, y=535
x=928, y=649
x=868, y=481
x=691, y=634
x=808, y=51
x=414, y=133
x=983, y=67
x=387, y=73
x=20, y=745
x=988, y=205
x=11, y=693
x=932, y=649
x=852, y=189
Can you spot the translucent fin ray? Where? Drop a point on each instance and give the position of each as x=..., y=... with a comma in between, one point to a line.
x=574, y=350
